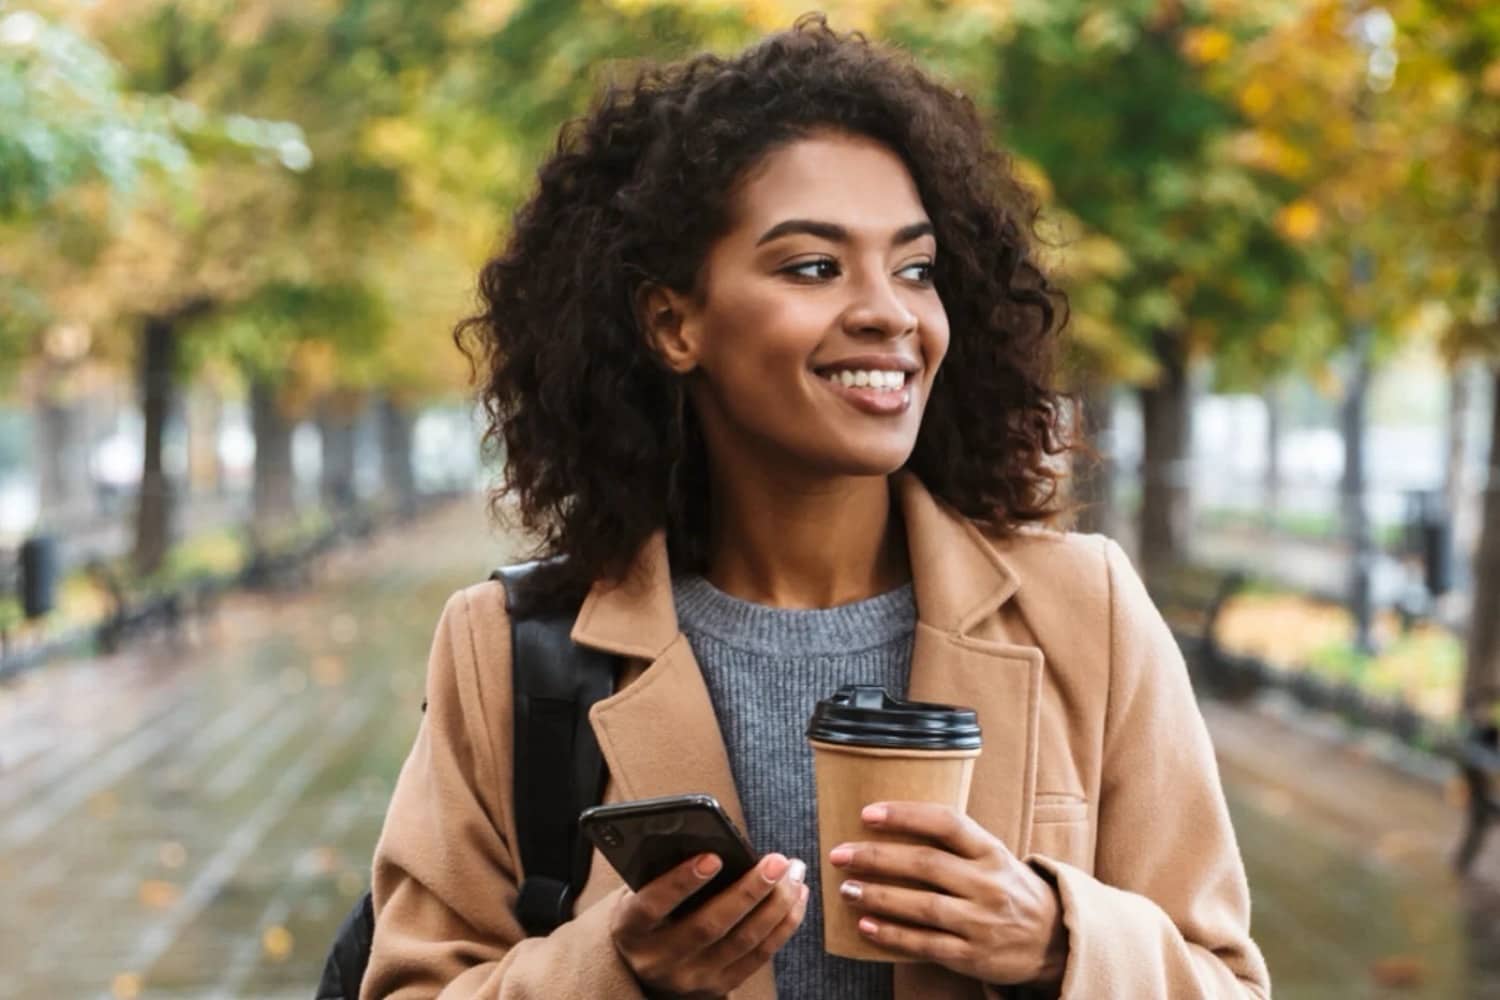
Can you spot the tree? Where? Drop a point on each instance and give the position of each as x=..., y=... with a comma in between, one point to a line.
x=1122, y=109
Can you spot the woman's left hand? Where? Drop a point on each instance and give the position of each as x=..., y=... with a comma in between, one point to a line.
x=987, y=915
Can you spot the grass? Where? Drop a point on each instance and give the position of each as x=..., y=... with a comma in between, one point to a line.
x=1308, y=525
x=82, y=599
x=1289, y=631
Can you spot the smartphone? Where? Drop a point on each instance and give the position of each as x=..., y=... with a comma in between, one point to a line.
x=649, y=837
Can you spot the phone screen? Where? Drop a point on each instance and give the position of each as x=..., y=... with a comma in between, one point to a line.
x=645, y=839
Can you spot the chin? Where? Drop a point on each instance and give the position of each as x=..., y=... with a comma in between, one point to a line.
x=873, y=460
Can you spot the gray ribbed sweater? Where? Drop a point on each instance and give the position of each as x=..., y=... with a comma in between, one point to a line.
x=765, y=668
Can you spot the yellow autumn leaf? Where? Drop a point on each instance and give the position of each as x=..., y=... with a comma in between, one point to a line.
x=1206, y=45
x=1299, y=221
x=157, y=894
x=1489, y=80
x=276, y=941
x=395, y=139
x=1256, y=98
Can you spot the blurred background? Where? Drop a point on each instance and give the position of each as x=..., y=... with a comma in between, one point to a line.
x=239, y=472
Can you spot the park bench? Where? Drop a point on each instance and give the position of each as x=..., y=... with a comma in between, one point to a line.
x=133, y=610
x=1192, y=599
x=1478, y=757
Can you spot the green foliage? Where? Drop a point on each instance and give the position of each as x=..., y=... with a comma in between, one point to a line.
x=64, y=118
x=1125, y=125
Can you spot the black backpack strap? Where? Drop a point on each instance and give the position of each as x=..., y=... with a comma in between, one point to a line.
x=344, y=968
x=559, y=771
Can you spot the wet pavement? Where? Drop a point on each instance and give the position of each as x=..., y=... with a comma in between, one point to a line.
x=195, y=820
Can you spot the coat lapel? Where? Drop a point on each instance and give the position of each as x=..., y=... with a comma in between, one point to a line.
x=658, y=734
x=960, y=583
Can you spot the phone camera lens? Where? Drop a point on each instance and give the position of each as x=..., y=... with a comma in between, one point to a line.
x=611, y=836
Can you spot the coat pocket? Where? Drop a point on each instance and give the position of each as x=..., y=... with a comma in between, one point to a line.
x=1061, y=829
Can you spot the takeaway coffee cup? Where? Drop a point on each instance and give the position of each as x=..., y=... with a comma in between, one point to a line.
x=870, y=747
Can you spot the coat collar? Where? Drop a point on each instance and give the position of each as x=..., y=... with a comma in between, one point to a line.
x=958, y=577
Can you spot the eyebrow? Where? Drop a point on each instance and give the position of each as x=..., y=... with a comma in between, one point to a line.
x=835, y=233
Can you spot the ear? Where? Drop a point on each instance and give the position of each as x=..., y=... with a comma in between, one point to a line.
x=665, y=318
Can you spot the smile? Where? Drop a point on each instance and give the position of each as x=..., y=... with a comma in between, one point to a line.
x=875, y=392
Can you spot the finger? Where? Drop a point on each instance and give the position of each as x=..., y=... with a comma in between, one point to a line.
x=772, y=943
x=917, y=907
x=948, y=826
x=917, y=942
x=932, y=866
x=708, y=924
x=758, y=925
x=655, y=901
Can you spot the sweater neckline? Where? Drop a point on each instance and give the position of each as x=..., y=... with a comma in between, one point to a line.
x=705, y=610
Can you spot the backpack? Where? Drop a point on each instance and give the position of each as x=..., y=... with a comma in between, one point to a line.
x=559, y=772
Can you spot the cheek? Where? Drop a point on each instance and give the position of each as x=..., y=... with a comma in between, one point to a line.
x=761, y=343
x=935, y=339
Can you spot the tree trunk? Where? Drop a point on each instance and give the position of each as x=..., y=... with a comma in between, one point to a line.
x=1353, y=489
x=338, y=418
x=1094, y=479
x=1273, y=476
x=1482, y=674
x=273, y=498
x=1166, y=416
x=395, y=454
x=158, y=386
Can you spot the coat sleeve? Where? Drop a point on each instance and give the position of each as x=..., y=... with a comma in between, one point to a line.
x=1166, y=914
x=445, y=877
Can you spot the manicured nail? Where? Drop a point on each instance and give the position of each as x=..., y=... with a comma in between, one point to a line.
x=773, y=867
x=798, y=871
x=868, y=926
x=707, y=866
x=841, y=854
x=874, y=815
x=851, y=891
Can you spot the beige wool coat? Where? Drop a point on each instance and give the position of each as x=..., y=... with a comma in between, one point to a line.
x=1096, y=768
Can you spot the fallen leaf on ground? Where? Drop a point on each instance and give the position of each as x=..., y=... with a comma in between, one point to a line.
x=1399, y=971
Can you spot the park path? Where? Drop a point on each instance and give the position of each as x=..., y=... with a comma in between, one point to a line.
x=194, y=821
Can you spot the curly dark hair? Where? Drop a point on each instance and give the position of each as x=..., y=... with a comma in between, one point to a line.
x=600, y=449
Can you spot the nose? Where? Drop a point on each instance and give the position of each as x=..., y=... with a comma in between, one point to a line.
x=878, y=310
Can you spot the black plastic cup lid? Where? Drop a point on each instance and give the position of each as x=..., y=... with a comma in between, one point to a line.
x=866, y=716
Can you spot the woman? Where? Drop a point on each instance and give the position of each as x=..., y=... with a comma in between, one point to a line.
x=768, y=351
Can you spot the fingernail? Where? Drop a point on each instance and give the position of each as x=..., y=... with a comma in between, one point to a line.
x=773, y=867
x=802, y=892
x=707, y=866
x=851, y=890
x=841, y=854
x=868, y=926
x=874, y=815
x=798, y=871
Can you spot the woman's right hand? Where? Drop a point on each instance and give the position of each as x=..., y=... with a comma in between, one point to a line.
x=712, y=950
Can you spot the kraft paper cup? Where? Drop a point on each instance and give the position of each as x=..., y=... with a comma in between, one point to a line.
x=850, y=778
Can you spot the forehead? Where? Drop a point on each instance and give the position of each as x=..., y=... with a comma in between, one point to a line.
x=851, y=180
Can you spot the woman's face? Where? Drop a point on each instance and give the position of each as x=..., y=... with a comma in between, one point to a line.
x=817, y=332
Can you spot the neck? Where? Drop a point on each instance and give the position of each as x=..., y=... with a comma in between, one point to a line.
x=793, y=544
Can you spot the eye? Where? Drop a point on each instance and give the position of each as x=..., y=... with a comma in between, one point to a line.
x=819, y=269
x=920, y=272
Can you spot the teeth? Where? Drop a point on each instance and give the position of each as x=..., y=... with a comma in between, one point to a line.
x=875, y=379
